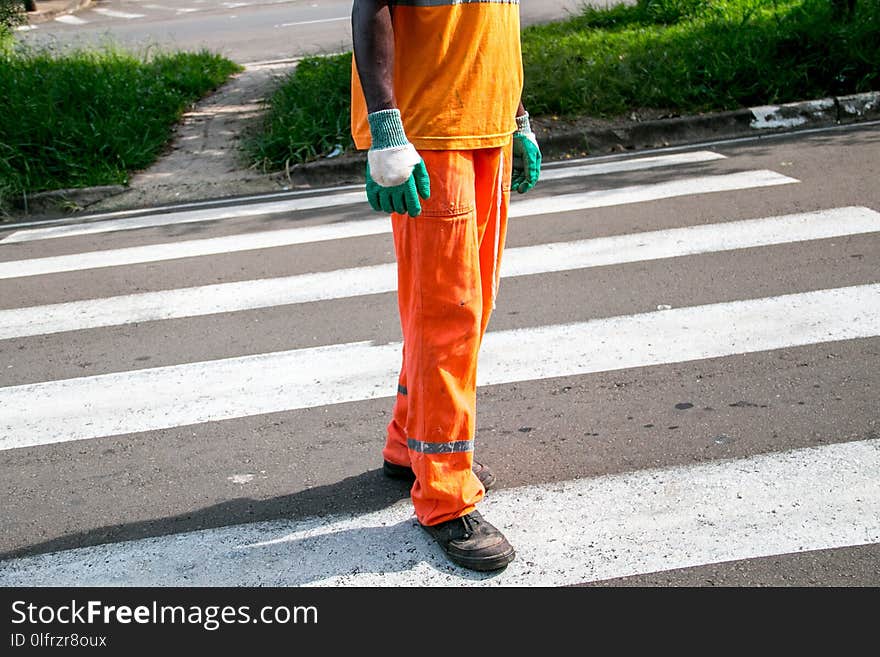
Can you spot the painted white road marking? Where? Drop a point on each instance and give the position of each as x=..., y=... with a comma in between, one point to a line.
x=518, y=208
x=691, y=240
x=170, y=396
x=653, y=192
x=178, y=10
x=112, y=13
x=192, y=248
x=69, y=19
x=359, y=281
x=189, y=216
x=578, y=531
x=634, y=164
x=177, y=207
x=320, y=20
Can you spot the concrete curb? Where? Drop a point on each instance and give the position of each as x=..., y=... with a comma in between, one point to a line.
x=558, y=143
x=62, y=201
x=747, y=122
x=56, y=9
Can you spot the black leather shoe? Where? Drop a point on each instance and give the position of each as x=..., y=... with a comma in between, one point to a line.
x=394, y=471
x=472, y=543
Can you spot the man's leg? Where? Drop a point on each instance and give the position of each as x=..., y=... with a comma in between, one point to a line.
x=492, y=176
x=396, y=452
x=441, y=301
x=492, y=170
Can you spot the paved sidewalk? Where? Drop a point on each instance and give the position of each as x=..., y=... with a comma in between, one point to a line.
x=51, y=9
x=205, y=159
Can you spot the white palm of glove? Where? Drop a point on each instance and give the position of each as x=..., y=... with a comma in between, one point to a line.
x=393, y=166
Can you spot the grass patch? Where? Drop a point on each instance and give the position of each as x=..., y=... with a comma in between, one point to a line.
x=11, y=15
x=685, y=56
x=88, y=118
x=308, y=115
x=700, y=56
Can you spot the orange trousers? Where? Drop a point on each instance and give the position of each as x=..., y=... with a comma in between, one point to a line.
x=448, y=261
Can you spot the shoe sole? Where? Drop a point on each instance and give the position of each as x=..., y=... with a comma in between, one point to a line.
x=482, y=564
x=404, y=473
x=486, y=564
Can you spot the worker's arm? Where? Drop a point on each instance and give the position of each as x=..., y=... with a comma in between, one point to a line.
x=373, y=39
x=526, y=154
x=396, y=174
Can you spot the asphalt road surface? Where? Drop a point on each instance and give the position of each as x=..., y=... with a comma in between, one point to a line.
x=679, y=385
x=247, y=31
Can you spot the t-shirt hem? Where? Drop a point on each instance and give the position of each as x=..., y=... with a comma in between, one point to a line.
x=460, y=143
x=448, y=143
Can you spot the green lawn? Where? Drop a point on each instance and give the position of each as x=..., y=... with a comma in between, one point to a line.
x=696, y=55
x=91, y=117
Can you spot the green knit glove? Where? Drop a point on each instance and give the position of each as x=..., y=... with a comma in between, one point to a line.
x=526, y=156
x=396, y=173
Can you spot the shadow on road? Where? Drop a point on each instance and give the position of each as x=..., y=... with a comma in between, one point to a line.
x=363, y=493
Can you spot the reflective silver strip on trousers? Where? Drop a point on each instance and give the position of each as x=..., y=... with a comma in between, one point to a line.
x=446, y=3
x=440, y=448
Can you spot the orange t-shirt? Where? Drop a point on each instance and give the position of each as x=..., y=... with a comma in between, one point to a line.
x=457, y=74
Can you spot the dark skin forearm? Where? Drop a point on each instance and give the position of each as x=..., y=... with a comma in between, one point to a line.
x=373, y=38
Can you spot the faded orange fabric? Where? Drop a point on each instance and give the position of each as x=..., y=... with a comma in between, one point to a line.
x=457, y=74
x=448, y=261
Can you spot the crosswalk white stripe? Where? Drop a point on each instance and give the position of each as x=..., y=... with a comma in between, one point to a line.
x=71, y=20
x=196, y=301
x=359, y=281
x=179, y=10
x=187, y=216
x=193, y=248
x=176, y=207
x=634, y=164
x=578, y=531
x=652, y=192
x=112, y=13
x=692, y=240
x=144, y=400
x=320, y=20
x=285, y=237
x=518, y=207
